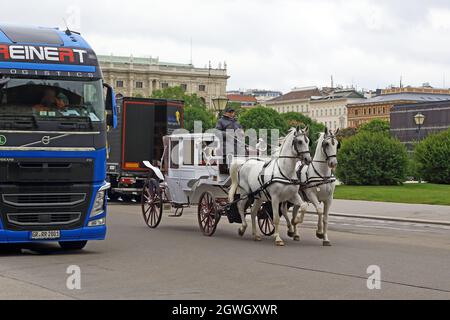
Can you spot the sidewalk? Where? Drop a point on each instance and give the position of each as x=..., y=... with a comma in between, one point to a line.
x=380, y=210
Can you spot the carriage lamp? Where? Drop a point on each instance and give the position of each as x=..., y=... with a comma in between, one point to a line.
x=420, y=120
x=220, y=104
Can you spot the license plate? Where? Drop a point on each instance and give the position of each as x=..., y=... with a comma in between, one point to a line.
x=45, y=235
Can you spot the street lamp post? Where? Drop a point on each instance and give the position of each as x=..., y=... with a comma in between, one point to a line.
x=220, y=104
x=419, y=119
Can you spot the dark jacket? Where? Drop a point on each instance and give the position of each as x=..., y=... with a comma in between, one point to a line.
x=227, y=123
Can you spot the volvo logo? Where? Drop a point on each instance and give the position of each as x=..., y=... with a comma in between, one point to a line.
x=3, y=140
x=46, y=140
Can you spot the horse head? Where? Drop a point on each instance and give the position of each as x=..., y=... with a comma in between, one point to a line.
x=301, y=144
x=330, y=146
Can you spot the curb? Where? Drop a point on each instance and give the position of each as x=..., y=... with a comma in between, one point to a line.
x=381, y=218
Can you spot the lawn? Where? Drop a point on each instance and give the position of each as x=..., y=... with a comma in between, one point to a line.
x=409, y=193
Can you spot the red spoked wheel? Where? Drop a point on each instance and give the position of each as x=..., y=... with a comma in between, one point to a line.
x=265, y=220
x=208, y=216
x=152, y=204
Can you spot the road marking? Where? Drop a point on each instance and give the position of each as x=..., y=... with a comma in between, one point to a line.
x=355, y=277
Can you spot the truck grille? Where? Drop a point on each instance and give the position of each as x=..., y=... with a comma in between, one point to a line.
x=44, y=200
x=43, y=219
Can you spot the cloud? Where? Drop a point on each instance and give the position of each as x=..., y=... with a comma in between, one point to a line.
x=274, y=44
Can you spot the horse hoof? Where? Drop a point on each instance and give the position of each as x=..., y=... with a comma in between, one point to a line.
x=327, y=244
x=320, y=236
x=241, y=233
x=297, y=238
x=291, y=234
x=258, y=239
x=280, y=244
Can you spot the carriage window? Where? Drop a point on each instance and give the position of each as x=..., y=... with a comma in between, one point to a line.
x=175, y=155
x=188, y=152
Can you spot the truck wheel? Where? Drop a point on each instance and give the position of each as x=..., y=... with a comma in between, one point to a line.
x=73, y=246
x=10, y=249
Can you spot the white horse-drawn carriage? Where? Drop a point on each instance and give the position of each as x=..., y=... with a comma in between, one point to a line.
x=191, y=175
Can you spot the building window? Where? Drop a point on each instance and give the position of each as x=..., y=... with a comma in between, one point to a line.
x=139, y=84
x=119, y=84
x=202, y=88
x=183, y=87
x=164, y=85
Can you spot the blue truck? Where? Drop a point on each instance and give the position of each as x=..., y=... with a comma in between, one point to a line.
x=55, y=111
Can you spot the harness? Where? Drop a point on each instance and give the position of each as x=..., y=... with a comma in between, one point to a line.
x=284, y=180
x=320, y=180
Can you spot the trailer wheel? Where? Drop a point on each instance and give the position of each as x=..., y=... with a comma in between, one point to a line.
x=265, y=220
x=208, y=215
x=152, y=204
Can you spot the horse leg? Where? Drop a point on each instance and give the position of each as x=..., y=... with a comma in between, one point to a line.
x=242, y=205
x=285, y=213
x=276, y=220
x=315, y=201
x=326, y=215
x=303, y=206
x=295, y=223
x=256, y=235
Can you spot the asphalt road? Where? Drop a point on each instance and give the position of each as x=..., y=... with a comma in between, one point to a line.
x=177, y=262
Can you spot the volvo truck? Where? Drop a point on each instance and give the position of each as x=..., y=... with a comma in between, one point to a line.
x=55, y=111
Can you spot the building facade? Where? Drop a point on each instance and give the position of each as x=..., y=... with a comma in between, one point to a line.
x=246, y=101
x=140, y=77
x=404, y=127
x=298, y=100
x=380, y=106
x=331, y=110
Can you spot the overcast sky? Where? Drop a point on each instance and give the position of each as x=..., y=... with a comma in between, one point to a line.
x=266, y=43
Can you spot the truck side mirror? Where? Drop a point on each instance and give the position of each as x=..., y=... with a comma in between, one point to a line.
x=110, y=106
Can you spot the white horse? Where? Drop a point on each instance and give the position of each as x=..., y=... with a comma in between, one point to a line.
x=275, y=181
x=319, y=183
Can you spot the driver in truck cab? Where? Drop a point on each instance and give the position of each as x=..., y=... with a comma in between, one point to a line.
x=51, y=101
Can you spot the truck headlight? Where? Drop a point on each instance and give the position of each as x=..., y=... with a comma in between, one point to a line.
x=99, y=202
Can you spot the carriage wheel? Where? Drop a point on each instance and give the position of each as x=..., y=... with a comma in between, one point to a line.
x=265, y=220
x=208, y=216
x=152, y=204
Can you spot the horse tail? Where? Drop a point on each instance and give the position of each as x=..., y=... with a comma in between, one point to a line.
x=234, y=174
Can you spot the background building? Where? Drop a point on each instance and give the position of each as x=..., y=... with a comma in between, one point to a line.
x=298, y=100
x=404, y=127
x=380, y=106
x=246, y=101
x=331, y=109
x=140, y=77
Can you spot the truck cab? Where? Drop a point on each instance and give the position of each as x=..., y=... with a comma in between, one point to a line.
x=55, y=112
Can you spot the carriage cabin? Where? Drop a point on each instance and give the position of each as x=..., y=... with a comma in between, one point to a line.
x=188, y=159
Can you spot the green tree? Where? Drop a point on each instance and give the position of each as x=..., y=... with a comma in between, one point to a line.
x=295, y=119
x=432, y=158
x=347, y=133
x=263, y=118
x=194, y=107
x=196, y=114
x=372, y=159
x=374, y=126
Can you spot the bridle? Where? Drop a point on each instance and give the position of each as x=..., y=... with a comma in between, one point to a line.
x=300, y=154
x=334, y=140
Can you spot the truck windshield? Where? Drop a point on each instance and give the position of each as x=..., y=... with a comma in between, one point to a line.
x=52, y=99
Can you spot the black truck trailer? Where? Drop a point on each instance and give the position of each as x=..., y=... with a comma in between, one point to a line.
x=142, y=124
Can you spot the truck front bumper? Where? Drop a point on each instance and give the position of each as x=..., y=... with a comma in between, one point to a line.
x=83, y=234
